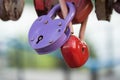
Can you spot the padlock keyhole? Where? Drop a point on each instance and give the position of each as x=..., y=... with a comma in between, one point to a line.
x=39, y=39
x=83, y=50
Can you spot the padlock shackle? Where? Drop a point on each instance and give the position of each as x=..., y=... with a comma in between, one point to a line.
x=70, y=15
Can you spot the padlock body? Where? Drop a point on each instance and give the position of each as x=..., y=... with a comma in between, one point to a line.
x=75, y=52
x=52, y=35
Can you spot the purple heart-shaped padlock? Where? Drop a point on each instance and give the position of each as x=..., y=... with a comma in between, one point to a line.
x=47, y=33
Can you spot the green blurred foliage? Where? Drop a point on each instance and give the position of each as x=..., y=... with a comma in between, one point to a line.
x=31, y=60
x=22, y=56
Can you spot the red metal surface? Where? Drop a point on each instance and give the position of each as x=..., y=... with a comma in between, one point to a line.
x=75, y=52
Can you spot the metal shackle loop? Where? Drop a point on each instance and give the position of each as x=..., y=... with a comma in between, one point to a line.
x=70, y=15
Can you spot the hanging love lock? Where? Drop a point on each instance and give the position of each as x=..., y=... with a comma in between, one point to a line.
x=103, y=9
x=11, y=9
x=75, y=52
x=117, y=6
x=83, y=8
x=48, y=34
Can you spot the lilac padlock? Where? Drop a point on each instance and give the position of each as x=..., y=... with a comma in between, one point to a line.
x=47, y=34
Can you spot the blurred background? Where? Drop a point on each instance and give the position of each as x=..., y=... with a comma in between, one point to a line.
x=18, y=61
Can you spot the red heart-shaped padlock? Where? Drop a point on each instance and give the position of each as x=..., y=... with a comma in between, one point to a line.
x=75, y=52
x=83, y=8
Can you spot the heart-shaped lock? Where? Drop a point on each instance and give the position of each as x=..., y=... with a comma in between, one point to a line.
x=48, y=34
x=75, y=52
x=83, y=8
